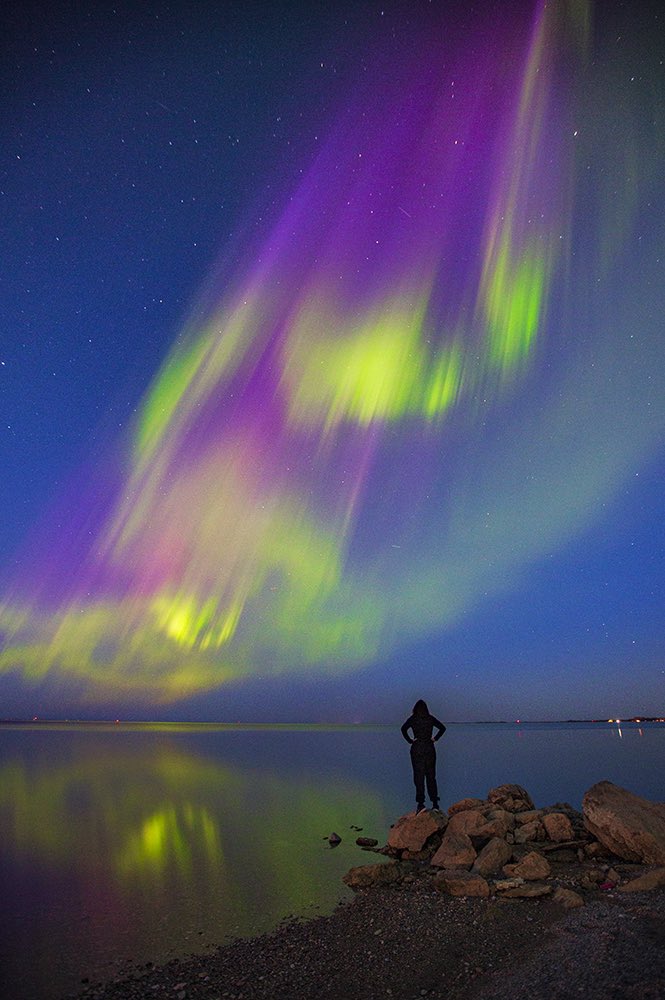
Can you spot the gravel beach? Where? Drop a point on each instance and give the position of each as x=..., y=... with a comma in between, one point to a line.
x=411, y=941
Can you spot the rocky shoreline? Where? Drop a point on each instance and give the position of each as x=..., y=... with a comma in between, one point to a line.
x=495, y=899
x=503, y=846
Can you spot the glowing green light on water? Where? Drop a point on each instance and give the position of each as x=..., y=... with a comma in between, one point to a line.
x=175, y=822
x=172, y=835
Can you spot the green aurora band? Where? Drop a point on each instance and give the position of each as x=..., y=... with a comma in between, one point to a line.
x=337, y=458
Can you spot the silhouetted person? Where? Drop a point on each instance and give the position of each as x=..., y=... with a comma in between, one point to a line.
x=423, y=754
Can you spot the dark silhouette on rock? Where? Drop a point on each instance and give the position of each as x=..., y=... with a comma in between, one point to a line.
x=423, y=754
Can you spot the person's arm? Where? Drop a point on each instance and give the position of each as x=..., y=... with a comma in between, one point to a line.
x=404, y=730
x=440, y=727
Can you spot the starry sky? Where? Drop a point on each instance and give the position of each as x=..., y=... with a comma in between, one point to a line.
x=332, y=362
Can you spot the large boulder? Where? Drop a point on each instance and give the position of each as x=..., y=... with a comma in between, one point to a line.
x=411, y=832
x=470, y=821
x=464, y=804
x=531, y=868
x=558, y=827
x=650, y=880
x=512, y=798
x=366, y=876
x=498, y=823
x=493, y=856
x=461, y=883
x=456, y=851
x=530, y=816
x=529, y=831
x=631, y=827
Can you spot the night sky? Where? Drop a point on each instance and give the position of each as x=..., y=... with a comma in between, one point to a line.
x=332, y=360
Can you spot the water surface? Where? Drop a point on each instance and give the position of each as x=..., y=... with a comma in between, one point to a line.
x=144, y=842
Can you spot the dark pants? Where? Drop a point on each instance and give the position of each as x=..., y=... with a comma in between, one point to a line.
x=423, y=761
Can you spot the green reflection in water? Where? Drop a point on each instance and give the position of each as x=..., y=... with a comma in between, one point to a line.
x=169, y=839
x=184, y=844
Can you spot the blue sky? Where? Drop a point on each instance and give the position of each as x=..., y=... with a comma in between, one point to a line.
x=147, y=153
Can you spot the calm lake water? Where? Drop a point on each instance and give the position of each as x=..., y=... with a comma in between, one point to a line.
x=145, y=842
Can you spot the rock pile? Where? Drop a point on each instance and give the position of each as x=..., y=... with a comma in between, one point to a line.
x=504, y=846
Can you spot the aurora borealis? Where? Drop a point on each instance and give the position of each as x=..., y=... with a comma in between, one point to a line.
x=410, y=432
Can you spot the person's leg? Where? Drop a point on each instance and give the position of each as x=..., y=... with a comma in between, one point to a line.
x=430, y=777
x=418, y=776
